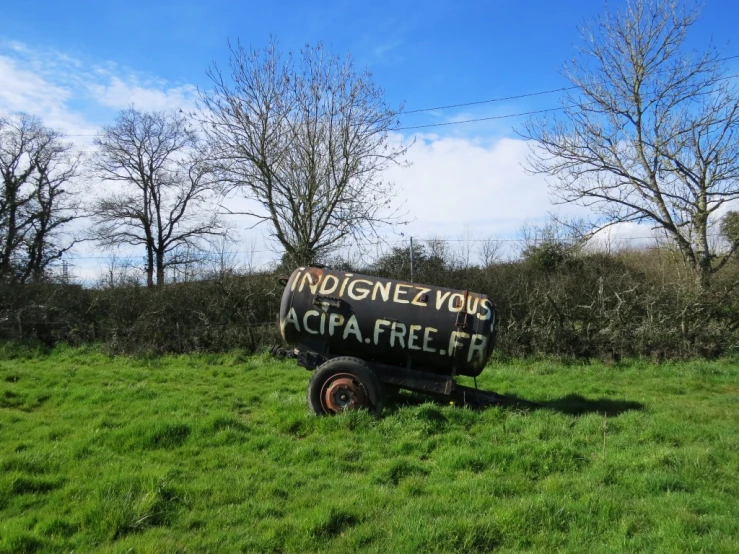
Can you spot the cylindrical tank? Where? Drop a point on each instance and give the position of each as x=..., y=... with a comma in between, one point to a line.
x=391, y=322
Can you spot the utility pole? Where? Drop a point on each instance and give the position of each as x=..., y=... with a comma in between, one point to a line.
x=411, y=259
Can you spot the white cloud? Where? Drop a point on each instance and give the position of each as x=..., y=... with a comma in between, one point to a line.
x=79, y=97
x=22, y=88
x=119, y=94
x=454, y=182
x=626, y=235
x=387, y=47
x=25, y=90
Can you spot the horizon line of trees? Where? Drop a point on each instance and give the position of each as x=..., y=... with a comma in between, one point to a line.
x=464, y=251
x=556, y=300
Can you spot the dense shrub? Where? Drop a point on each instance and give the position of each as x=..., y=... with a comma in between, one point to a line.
x=556, y=301
x=206, y=316
x=551, y=302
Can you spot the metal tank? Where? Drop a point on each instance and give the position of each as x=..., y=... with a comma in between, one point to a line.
x=422, y=328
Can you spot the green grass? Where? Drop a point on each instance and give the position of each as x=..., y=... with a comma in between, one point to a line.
x=219, y=454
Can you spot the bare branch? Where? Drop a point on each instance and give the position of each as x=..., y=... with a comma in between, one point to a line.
x=37, y=171
x=165, y=189
x=650, y=130
x=307, y=139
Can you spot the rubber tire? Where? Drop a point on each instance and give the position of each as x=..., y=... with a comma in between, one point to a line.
x=353, y=366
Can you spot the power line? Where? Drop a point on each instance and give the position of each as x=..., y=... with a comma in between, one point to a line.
x=491, y=100
x=474, y=120
x=449, y=106
x=392, y=243
x=518, y=96
x=506, y=116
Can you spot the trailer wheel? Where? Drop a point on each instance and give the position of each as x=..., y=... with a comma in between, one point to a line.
x=344, y=383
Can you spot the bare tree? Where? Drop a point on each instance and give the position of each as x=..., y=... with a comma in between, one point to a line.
x=491, y=251
x=37, y=169
x=439, y=248
x=305, y=139
x=649, y=131
x=465, y=246
x=223, y=261
x=118, y=272
x=161, y=190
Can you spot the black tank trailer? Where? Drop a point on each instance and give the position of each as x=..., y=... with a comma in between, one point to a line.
x=363, y=334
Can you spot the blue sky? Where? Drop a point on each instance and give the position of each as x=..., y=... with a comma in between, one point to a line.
x=76, y=63
x=424, y=53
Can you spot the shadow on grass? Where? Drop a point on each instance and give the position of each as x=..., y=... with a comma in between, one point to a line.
x=572, y=404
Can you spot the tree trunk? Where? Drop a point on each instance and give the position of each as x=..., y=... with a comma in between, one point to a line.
x=7, y=251
x=704, y=270
x=160, y=269
x=149, y=266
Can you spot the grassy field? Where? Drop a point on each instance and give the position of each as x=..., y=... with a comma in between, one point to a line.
x=219, y=454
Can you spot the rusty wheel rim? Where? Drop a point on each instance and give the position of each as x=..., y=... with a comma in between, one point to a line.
x=343, y=391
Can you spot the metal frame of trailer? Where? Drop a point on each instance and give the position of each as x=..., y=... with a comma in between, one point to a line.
x=344, y=387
